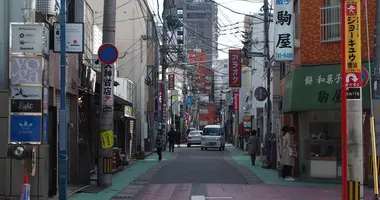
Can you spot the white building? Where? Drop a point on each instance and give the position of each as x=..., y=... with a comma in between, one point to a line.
x=256, y=72
x=97, y=38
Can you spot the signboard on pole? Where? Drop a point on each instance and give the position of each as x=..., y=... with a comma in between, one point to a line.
x=74, y=37
x=107, y=54
x=234, y=68
x=352, y=126
x=26, y=70
x=235, y=96
x=283, y=30
x=171, y=81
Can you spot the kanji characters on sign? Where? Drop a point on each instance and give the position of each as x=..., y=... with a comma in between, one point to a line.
x=284, y=22
x=235, y=68
x=107, y=86
x=323, y=79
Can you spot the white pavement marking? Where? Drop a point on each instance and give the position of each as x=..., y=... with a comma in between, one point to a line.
x=154, y=159
x=198, y=198
x=204, y=198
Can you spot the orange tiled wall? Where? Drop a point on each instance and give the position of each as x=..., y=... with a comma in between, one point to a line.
x=312, y=50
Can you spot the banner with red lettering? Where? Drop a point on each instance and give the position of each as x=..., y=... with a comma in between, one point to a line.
x=235, y=96
x=234, y=68
x=171, y=81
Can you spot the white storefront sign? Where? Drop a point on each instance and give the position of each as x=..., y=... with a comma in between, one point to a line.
x=27, y=38
x=74, y=37
x=26, y=70
x=284, y=30
x=26, y=93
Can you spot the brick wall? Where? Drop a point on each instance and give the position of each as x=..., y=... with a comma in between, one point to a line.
x=311, y=50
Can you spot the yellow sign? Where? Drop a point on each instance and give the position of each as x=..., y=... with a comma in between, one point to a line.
x=107, y=139
x=352, y=36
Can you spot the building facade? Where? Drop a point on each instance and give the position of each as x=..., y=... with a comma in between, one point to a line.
x=310, y=86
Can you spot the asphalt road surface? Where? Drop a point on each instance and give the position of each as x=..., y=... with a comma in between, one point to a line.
x=192, y=174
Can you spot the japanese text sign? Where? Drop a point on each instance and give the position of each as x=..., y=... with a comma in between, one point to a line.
x=235, y=68
x=283, y=30
x=235, y=96
x=171, y=81
x=352, y=37
x=107, y=139
x=107, y=90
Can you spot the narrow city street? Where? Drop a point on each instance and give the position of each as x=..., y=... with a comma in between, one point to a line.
x=192, y=174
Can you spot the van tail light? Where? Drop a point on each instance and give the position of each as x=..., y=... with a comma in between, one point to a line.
x=189, y=137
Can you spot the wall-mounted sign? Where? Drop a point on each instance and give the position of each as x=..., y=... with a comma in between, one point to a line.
x=261, y=93
x=25, y=129
x=74, y=37
x=26, y=93
x=27, y=38
x=236, y=105
x=284, y=30
x=234, y=68
x=26, y=70
x=25, y=106
x=171, y=79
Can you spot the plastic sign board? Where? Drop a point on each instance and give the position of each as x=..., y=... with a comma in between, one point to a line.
x=28, y=38
x=107, y=139
x=74, y=37
x=283, y=30
x=25, y=129
x=234, y=68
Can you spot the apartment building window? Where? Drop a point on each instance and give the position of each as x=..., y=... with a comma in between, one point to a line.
x=330, y=21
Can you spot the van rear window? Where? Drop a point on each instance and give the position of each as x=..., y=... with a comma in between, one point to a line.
x=211, y=131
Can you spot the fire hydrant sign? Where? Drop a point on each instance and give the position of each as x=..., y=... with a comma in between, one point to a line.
x=107, y=139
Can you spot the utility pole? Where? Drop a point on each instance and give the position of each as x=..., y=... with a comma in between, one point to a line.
x=266, y=64
x=106, y=115
x=351, y=110
x=62, y=167
x=164, y=63
x=156, y=81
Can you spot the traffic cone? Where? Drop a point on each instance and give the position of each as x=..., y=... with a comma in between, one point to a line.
x=25, y=193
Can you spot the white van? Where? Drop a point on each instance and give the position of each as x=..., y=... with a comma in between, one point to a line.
x=213, y=137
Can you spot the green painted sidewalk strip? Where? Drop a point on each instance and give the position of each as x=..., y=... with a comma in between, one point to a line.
x=123, y=179
x=270, y=176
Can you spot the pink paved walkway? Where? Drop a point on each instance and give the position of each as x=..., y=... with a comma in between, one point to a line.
x=239, y=192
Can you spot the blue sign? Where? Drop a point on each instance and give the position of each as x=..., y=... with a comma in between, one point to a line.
x=108, y=53
x=189, y=100
x=25, y=129
x=45, y=128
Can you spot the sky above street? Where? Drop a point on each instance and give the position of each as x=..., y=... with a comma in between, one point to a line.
x=230, y=34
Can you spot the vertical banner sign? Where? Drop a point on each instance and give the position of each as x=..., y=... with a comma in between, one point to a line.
x=171, y=81
x=28, y=76
x=235, y=96
x=352, y=127
x=234, y=68
x=283, y=30
x=160, y=89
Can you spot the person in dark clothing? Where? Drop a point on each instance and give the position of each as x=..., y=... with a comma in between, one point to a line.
x=253, y=146
x=171, y=138
x=159, y=143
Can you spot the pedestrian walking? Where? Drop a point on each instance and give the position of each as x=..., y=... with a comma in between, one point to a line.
x=288, y=153
x=171, y=138
x=253, y=146
x=159, y=143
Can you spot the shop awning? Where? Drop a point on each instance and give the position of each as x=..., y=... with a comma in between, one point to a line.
x=316, y=88
x=120, y=101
